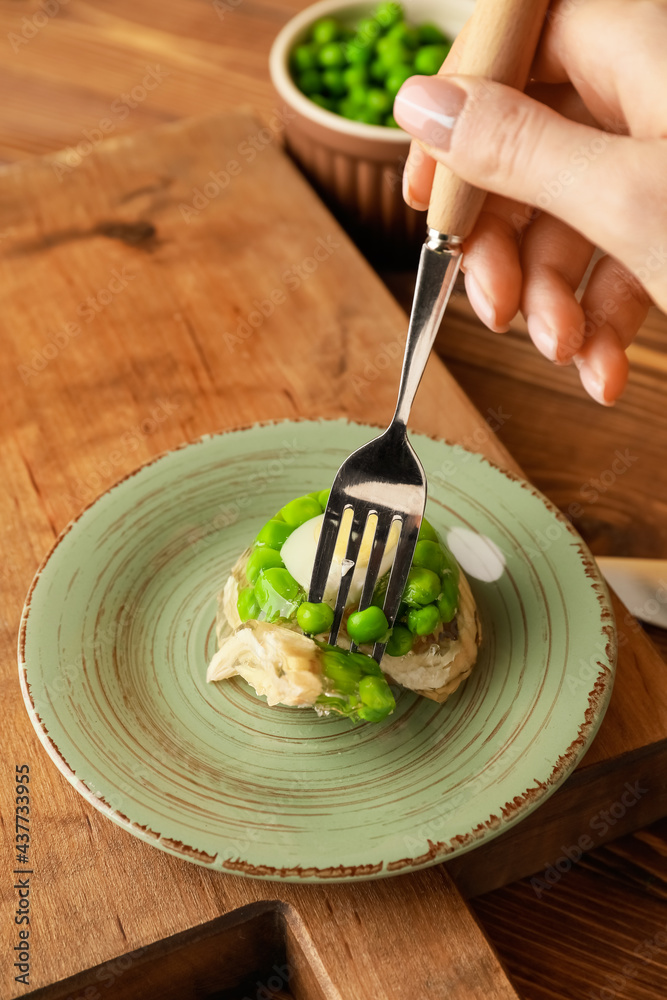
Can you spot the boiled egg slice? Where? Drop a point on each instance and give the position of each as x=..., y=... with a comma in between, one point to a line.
x=298, y=554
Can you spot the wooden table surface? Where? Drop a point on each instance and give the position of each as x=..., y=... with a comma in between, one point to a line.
x=601, y=929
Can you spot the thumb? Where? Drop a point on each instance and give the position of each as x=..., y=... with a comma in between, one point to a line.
x=500, y=140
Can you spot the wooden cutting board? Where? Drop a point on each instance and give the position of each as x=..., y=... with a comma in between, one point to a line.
x=172, y=284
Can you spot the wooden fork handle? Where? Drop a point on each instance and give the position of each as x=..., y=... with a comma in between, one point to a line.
x=500, y=43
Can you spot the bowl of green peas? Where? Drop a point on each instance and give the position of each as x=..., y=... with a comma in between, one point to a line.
x=338, y=66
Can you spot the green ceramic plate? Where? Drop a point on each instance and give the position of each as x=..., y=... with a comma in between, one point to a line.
x=118, y=630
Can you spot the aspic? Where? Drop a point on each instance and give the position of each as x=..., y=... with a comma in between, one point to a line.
x=276, y=640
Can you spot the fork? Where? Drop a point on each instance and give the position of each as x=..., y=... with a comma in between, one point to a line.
x=384, y=479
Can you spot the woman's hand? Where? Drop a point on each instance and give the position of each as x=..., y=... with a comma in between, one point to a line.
x=578, y=161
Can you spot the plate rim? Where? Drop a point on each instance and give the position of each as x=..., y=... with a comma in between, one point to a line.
x=512, y=813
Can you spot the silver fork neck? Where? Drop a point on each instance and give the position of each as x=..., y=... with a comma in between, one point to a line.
x=439, y=264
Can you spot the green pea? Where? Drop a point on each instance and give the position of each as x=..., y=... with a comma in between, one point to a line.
x=323, y=498
x=358, y=95
x=298, y=511
x=396, y=78
x=368, y=116
x=430, y=555
x=333, y=81
x=448, y=602
x=452, y=568
x=325, y=30
x=430, y=58
x=367, y=664
x=358, y=52
x=262, y=558
x=281, y=581
x=322, y=101
x=375, y=693
x=368, y=625
x=342, y=670
x=430, y=34
x=426, y=530
x=368, y=30
x=423, y=587
x=393, y=53
x=332, y=55
x=367, y=714
x=336, y=64
x=303, y=57
x=314, y=618
x=246, y=604
x=355, y=76
x=278, y=593
x=388, y=13
x=401, y=32
x=348, y=109
x=378, y=100
x=310, y=81
x=423, y=621
x=400, y=642
x=377, y=71
x=274, y=534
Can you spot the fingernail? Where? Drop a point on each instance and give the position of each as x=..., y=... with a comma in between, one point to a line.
x=592, y=382
x=543, y=337
x=409, y=198
x=482, y=304
x=427, y=107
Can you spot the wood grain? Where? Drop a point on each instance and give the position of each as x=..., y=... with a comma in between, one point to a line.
x=598, y=932
x=64, y=77
x=142, y=316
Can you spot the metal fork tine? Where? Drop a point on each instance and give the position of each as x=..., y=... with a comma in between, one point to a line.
x=324, y=555
x=405, y=550
x=382, y=530
x=380, y=537
x=353, y=545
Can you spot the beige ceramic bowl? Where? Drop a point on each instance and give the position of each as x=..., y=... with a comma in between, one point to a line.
x=357, y=168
